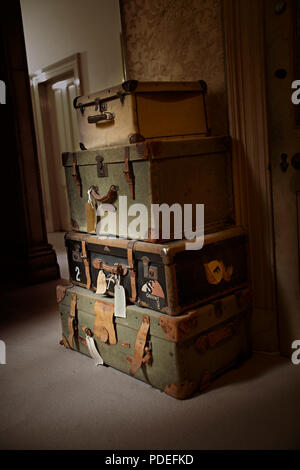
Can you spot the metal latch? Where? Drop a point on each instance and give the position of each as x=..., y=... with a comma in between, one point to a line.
x=102, y=170
x=150, y=272
x=76, y=255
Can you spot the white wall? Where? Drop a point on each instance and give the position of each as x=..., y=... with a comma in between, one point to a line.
x=56, y=29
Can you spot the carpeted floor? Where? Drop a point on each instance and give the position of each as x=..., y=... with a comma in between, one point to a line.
x=53, y=398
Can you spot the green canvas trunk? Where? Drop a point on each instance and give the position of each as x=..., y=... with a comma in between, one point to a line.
x=183, y=171
x=178, y=355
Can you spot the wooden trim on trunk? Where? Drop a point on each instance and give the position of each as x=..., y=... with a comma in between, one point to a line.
x=167, y=251
x=246, y=81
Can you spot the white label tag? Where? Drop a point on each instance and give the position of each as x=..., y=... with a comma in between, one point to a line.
x=120, y=301
x=101, y=283
x=94, y=351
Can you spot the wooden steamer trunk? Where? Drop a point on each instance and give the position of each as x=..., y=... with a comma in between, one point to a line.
x=178, y=355
x=139, y=111
x=167, y=277
x=193, y=171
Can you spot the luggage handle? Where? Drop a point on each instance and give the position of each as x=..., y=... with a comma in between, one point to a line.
x=213, y=338
x=119, y=269
x=108, y=198
x=98, y=103
x=101, y=117
x=128, y=87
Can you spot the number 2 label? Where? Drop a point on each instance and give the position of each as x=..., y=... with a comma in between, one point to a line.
x=77, y=277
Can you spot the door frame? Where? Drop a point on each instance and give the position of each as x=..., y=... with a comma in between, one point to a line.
x=247, y=104
x=71, y=64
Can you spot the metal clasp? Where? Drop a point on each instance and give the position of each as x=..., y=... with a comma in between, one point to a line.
x=150, y=272
x=102, y=169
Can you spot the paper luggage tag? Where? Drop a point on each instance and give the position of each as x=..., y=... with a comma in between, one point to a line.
x=94, y=351
x=120, y=301
x=90, y=217
x=101, y=283
x=90, y=212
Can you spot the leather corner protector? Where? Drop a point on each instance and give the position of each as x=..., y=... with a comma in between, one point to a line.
x=143, y=149
x=176, y=329
x=136, y=138
x=169, y=327
x=181, y=391
x=61, y=292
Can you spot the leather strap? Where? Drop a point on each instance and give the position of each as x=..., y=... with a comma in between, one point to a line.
x=215, y=337
x=108, y=198
x=104, y=328
x=72, y=319
x=129, y=174
x=132, y=270
x=76, y=175
x=139, y=348
x=86, y=265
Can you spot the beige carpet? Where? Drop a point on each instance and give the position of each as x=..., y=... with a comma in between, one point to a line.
x=53, y=398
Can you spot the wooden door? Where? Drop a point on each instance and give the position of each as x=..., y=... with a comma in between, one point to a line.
x=282, y=28
x=60, y=127
x=53, y=90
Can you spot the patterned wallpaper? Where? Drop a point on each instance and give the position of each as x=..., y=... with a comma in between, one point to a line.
x=178, y=40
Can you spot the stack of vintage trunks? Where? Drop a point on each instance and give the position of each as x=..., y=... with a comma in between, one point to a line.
x=139, y=301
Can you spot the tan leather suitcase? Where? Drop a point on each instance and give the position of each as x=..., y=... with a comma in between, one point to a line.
x=137, y=111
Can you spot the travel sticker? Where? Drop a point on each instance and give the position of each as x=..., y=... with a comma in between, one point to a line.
x=153, y=288
x=215, y=272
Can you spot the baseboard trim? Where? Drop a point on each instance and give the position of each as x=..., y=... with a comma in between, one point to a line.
x=42, y=265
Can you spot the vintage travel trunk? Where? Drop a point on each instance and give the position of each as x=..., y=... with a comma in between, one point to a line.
x=138, y=111
x=167, y=277
x=178, y=355
x=182, y=172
